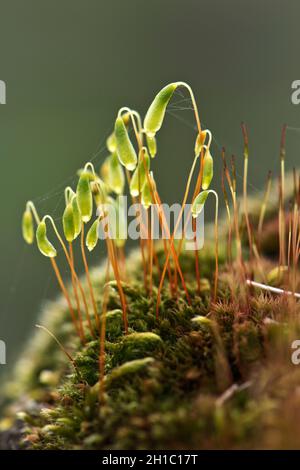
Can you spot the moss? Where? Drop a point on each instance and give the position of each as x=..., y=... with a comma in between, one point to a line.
x=137, y=345
x=127, y=372
x=201, y=376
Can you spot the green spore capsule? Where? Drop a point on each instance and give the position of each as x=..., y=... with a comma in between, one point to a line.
x=139, y=176
x=27, y=227
x=125, y=150
x=44, y=245
x=116, y=177
x=68, y=223
x=156, y=112
x=92, y=236
x=198, y=203
x=208, y=170
x=84, y=197
x=111, y=143
x=146, y=196
x=152, y=146
x=76, y=216
x=111, y=140
x=104, y=172
x=134, y=183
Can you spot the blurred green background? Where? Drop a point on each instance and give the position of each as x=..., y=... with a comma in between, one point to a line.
x=70, y=64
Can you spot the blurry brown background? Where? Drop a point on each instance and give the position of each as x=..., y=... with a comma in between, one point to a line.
x=70, y=64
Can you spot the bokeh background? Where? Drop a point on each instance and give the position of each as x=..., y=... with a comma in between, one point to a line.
x=70, y=64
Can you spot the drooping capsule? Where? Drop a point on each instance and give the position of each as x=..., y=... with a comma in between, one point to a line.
x=27, y=227
x=134, y=187
x=69, y=193
x=200, y=139
x=44, y=245
x=116, y=177
x=68, y=223
x=126, y=118
x=104, y=172
x=92, y=236
x=152, y=146
x=76, y=216
x=140, y=174
x=111, y=139
x=156, y=112
x=111, y=143
x=84, y=197
x=198, y=203
x=99, y=191
x=146, y=195
x=208, y=170
x=125, y=149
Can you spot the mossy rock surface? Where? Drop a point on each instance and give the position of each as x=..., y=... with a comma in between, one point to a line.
x=200, y=376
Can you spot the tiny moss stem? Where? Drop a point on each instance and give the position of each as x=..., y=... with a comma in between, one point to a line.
x=245, y=184
x=103, y=334
x=114, y=264
x=195, y=107
x=282, y=234
x=73, y=272
x=65, y=292
x=150, y=251
x=30, y=206
x=196, y=191
x=295, y=244
x=63, y=349
x=122, y=256
x=164, y=226
x=229, y=252
x=264, y=207
x=197, y=268
x=88, y=278
x=143, y=231
x=173, y=235
x=74, y=284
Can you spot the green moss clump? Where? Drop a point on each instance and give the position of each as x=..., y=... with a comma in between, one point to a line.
x=201, y=376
